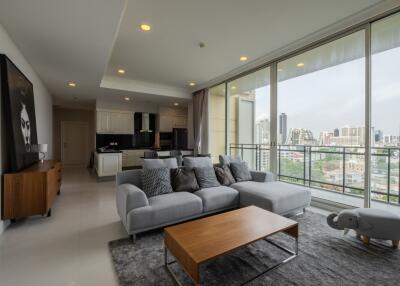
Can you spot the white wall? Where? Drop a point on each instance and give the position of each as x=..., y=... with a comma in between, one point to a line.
x=135, y=106
x=43, y=99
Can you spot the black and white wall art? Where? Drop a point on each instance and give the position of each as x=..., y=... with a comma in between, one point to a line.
x=19, y=116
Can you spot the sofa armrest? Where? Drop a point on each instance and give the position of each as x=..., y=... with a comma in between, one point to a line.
x=129, y=197
x=259, y=176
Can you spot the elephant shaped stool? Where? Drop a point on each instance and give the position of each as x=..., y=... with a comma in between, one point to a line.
x=368, y=223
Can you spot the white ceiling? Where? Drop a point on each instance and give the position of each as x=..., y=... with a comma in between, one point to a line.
x=86, y=41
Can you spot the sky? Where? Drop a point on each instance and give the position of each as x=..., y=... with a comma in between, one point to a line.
x=334, y=97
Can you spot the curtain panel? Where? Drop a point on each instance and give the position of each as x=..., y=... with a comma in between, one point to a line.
x=200, y=121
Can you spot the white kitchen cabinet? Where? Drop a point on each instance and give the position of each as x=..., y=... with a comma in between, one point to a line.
x=102, y=122
x=114, y=122
x=108, y=164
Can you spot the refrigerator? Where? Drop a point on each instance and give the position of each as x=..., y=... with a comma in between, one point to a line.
x=180, y=139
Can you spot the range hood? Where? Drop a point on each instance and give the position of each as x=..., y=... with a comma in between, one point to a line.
x=145, y=122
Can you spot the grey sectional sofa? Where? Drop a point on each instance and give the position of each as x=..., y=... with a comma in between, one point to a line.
x=139, y=213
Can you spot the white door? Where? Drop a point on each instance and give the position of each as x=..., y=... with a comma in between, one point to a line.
x=74, y=143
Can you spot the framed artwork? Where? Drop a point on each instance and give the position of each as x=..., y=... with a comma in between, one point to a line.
x=19, y=117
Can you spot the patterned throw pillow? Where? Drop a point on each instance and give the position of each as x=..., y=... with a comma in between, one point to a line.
x=240, y=171
x=184, y=180
x=206, y=177
x=156, y=182
x=224, y=175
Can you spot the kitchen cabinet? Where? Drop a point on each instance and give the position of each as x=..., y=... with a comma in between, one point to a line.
x=108, y=164
x=132, y=158
x=114, y=122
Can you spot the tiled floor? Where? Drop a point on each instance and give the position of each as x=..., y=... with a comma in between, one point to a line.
x=70, y=247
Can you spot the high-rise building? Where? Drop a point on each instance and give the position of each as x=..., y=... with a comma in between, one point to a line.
x=336, y=132
x=262, y=131
x=300, y=136
x=378, y=136
x=283, y=128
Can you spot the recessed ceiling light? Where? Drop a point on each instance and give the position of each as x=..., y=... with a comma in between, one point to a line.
x=300, y=65
x=145, y=27
x=121, y=71
x=72, y=84
x=233, y=87
x=127, y=98
x=192, y=84
x=243, y=58
x=176, y=103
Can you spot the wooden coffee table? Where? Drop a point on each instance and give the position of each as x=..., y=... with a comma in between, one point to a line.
x=198, y=241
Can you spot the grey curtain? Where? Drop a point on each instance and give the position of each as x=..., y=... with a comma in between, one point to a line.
x=200, y=121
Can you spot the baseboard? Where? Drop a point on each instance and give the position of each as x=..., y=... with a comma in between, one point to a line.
x=328, y=205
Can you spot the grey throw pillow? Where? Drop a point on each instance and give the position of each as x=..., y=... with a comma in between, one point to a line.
x=224, y=175
x=197, y=162
x=240, y=171
x=228, y=159
x=184, y=180
x=169, y=163
x=156, y=182
x=206, y=177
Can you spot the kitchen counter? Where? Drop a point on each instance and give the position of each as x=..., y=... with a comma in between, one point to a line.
x=108, y=151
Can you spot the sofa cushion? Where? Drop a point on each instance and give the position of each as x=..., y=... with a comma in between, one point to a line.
x=216, y=198
x=170, y=163
x=224, y=175
x=228, y=159
x=240, y=171
x=278, y=197
x=196, y=162
x=156, y=182
x=184, y=180
x=165, y=209
x=206, y=177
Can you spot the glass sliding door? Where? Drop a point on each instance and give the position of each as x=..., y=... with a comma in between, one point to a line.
x=217, y=119
x=249, y=118
x=321, y=95
x=385, y=104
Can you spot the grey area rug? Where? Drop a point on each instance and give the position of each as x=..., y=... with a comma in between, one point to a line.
x=326, y=257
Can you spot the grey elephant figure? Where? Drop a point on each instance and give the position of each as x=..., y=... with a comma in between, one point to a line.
x=368, y=223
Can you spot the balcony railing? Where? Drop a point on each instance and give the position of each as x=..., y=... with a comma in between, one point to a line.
x=332, y=168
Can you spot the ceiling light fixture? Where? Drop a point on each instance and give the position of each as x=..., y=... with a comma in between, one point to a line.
x=300, y=65
x=243, y=58
x=72, y=84
x=145, y=27
x=121, y=71
x=192, y=84
x=127, y=98
x=176, y=103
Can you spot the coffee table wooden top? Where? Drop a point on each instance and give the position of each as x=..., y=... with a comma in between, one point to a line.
x=210, y=237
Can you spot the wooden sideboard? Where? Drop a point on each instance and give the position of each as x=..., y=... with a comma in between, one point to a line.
x=31, y=191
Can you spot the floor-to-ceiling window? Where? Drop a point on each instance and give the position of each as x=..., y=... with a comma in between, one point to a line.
x=385, y=105
x=321, y=130
x=217, y=121
x=249, y=118
x=322, y=116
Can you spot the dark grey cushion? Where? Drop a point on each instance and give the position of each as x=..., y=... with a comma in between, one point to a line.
x=206, y=177
x=197, y=162
x=156, y=182
x=169, y=163
x=184, y=180
x=240, y=171
x=224, y=175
